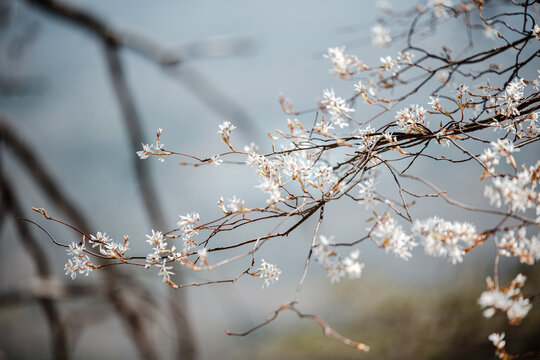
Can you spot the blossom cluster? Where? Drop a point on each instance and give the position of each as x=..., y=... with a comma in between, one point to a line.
x=336, y=266
x=390, y=65
x=107, y=246
x=380, y=35
x=389, y=235
x=367, y=192
x=508, y=300
x=507, y=107
x=490, y=157
x=225, y=130
x=498, y=341
x=336, y=107
x=79, y=263
x=344, y=65
x=513, y=94
x=269, y=273
x=162, y=254
x=189, y=225
x=514, y=244
x=159, y=248
x=412, y=119
x=518, y=192
x=299, y=167
x=153, y=149
x=235, y=205
x=446, y=239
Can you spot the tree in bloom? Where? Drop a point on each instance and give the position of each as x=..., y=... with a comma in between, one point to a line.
x=428, y=104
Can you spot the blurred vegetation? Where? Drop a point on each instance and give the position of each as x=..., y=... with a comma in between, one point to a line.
x=403, y=322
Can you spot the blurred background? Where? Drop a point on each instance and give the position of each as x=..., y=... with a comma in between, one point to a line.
x=74, y=109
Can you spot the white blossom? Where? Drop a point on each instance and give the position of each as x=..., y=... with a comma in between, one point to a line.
x=164, y=271
x=434, y=102
x=412, y=119
x=251, y=148
x=501, y=147
x=296, y=166
x=189, y=220
x=272, y=189
x=269, y=273
x=515, y=89
x=390, y=64
x=497, y=339
x=518, y=192
x=360, y=87
x=323, y=127
x=107, y=246
x=322, y=177
x=380, y=35
x=446, y=239
x=76, y=249
x=443, y=76
x=508, y=300
x=202, y=253
x=76, y=266
x=405, y=57
x=337, y=267
x=156, y=239
x=215, y=160
x=146, y=152
x=514, y=92
x=336, y=107
x=225, y=129
x=367, y=192
x=440, y=7
x=533, y=129
x=255, y=159
x=519, y=309
x=490, y=159
x=514, y=244
x=79, y=263
x=490, y=32
x=343, y=64
x=536, y=31
x=189, y=225
x=353, y=268
x=235, y=204
x=390, y=236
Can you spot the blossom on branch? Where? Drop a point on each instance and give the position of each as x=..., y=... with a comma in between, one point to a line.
x=518, y=245
x=446, y=239
x=390, y=236
x=508, y=300
x=343, y=65
x=337, y=267
x=380, y=35
x=336, y=107
x=412, y=119
x=269, y=273
x=79, y=262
